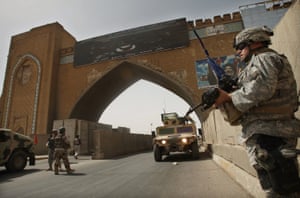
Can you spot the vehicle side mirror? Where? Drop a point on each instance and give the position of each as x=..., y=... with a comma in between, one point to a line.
x=200, y=131
x=153, y=134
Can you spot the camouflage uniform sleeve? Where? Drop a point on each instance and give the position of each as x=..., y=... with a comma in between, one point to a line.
x=257, y=81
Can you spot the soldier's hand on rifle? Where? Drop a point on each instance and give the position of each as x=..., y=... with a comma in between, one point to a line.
x=223, y=97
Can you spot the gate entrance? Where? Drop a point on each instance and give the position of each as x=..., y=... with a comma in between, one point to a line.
x=93, y=102
x=51, y=76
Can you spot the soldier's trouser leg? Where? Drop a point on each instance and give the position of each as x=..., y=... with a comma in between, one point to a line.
x=50, y=158
x=57, y=162
x=67, y=163
x=276, y=170
x=284, y=176
x=56, y=167
x=263, y=178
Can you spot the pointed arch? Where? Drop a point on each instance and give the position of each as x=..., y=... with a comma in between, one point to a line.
x=98, y=96
x=27, y=60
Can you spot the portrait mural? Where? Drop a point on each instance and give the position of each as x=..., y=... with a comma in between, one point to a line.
x=205, y=75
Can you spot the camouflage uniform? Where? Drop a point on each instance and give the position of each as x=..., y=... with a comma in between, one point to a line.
x=267, y=97
x=61, y=146
x=50, y=145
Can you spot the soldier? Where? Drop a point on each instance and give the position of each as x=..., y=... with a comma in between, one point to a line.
x=77, y=143
x=61, y=147
x=51, y=147
x=267, y=98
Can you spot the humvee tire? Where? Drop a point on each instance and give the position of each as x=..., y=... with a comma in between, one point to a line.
x=157, y=154
x=17, y=162
x=15, y=150
x=195, y=150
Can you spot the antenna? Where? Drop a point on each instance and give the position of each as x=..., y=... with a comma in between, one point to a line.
x=164, y=108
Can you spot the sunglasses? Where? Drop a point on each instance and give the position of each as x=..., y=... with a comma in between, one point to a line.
x=241, y=46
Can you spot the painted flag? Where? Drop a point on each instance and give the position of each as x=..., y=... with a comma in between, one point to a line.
x=216, y=68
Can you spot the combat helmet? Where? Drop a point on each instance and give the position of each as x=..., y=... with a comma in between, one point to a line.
x=252, y=35
x=62, y=130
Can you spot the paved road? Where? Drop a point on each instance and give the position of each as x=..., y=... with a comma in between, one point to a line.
x=136, y=176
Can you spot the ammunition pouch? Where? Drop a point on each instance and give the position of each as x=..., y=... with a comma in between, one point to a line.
x=286, y=110
x=233, y=116
x=230, y=113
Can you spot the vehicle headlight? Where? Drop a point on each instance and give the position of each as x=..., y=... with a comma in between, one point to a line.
x=163, y=141
x=184, y=140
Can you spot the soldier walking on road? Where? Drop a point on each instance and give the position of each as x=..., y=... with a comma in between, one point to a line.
x=77, y=143
x=61, y=146
x=51, y=148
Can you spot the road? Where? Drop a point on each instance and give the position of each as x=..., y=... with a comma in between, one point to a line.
x=136, y=176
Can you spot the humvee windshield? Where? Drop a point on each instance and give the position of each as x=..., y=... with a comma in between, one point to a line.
x=182, y=129
x=185, y=129
x=166, y=131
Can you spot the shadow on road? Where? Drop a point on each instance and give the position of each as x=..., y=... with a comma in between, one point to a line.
x=179, y=157
x=6, y=176
x=74, y=174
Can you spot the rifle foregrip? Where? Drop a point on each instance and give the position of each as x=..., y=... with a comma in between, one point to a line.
x=209, y=97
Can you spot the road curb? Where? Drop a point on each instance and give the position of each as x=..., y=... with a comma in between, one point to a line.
x=247, y=181
x=41, y=157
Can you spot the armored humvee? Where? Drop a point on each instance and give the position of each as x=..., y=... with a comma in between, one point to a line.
x=15, y=150
x=178, y=134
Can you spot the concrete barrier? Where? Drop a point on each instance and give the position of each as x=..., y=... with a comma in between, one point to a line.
x=109, y=144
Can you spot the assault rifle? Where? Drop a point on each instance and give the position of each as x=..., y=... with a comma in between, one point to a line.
x=208, y=99
x=225, y=82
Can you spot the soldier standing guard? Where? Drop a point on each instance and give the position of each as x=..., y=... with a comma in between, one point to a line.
x=61, y=146
x=266, y=96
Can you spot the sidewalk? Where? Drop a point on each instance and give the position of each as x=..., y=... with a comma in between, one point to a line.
x=41, y=157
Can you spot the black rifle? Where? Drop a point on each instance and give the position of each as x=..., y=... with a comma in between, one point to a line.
x=208, y=99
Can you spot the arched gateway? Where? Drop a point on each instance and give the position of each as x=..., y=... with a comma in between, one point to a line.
x=106, y=88
x=51, y=76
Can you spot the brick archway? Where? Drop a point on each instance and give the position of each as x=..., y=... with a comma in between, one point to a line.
x=79, y=80
x=92, y=103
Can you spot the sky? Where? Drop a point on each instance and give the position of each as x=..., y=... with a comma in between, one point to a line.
x=139, y=107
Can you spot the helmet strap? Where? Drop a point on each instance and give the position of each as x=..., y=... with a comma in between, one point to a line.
x=255, y=46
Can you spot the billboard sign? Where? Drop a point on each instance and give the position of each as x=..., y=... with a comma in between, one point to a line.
x=151, y=38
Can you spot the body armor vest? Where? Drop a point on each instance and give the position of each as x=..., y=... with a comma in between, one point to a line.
x=59, y=142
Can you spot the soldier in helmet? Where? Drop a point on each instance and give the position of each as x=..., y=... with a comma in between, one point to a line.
x=267, y=98
x=51, y=147
x=61, y=146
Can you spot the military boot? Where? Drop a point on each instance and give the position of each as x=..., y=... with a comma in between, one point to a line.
x=69, y=170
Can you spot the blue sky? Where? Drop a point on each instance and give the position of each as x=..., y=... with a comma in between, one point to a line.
x=135, y=108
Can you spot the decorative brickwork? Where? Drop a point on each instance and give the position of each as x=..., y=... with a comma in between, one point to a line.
x=20, y=114
x=227, y=18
